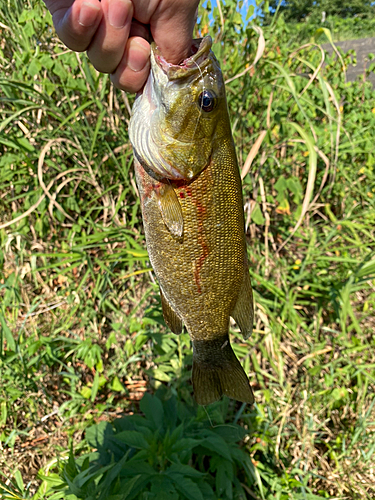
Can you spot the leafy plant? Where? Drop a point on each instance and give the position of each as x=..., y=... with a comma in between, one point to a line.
x=170, y=451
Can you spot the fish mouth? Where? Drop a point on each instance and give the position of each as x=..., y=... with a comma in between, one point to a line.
x=190, y=66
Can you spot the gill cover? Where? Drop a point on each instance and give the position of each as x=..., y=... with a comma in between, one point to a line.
x=174, y=119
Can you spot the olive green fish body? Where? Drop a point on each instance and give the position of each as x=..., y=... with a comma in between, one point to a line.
x=193, y=218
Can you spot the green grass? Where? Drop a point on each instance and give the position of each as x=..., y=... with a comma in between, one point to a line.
x=341, y=29
x=81, y=331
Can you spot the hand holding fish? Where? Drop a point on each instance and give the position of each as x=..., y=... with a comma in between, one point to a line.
x=116, y=33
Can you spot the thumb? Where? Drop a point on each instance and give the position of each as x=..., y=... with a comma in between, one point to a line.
x=75, y=21
x=172, y=29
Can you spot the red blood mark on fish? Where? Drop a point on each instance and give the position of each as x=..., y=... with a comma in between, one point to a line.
x=201, y=214
x=144, y=189
x=184, y=190
x=149, y=185
x=151, y=188
x=183, y=185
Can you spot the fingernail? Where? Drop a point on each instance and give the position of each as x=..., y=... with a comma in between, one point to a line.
x=138, y=55
x=118, y=12
x=88, y=14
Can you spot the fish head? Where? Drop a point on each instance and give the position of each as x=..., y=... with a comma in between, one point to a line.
x=181, y=114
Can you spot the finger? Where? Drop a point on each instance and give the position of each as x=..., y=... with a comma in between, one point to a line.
x=132, y=72
x=172, y=29
x=139, y=29
x=107, y=47
x=75, y=21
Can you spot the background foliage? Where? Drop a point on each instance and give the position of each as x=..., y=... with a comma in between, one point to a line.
x=297, y=11
x=346, y=19
x=81, y=331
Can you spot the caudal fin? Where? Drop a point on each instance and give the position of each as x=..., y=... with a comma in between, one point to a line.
x=217, y=371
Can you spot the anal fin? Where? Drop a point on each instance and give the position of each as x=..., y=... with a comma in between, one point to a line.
x=243, y=312
x=170, y=209
x=172, y=320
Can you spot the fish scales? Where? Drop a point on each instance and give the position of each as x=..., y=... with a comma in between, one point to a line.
x=193, y=219
x=204, y=246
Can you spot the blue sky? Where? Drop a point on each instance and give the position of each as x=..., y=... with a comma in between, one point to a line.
x=243, y=10
x=245, y=7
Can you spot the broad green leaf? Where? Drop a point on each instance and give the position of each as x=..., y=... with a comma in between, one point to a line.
x=257, y=216
x=112, y=477
x=19, y=480
x=218, y=445
x=95, y=386
x=153, y=409
x=185, y=470
x=116, y=385
x=132, y=438
x=232, y=433
x=96, y=435
x=187, y=487
x=186, y=444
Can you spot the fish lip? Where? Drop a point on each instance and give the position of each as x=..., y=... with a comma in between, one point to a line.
x=200, y=47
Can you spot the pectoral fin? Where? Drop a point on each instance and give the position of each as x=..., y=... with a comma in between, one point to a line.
x=170, y=209
x=170, y=317
x=243, y=313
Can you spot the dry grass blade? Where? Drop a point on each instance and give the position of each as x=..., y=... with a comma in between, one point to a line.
x=327, y=33
x=45, y=188
x=28, y=212
x=119, y=149
x=310, y=181
x=258, y=55
x=338, y=130
x=252, y=154
x=267, y=225
x=130, y=275
x=318, y=68
x=313, y=354
x=40, y=175
x=326, y=171
x=4, y=26
x=222, y=21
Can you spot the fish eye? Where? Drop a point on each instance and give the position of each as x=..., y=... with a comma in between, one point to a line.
x=207, y=100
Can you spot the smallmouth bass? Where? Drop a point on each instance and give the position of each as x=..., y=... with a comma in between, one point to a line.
x=191, y=199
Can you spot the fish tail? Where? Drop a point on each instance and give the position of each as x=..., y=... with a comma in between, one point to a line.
x=217, y=371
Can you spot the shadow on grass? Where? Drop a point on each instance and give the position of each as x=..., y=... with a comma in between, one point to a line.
x=172, y=449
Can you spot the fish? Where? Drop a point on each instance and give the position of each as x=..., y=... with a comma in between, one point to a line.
x=192, y=210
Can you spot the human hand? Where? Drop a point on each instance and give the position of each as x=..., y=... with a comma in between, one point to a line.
x=116, y=33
